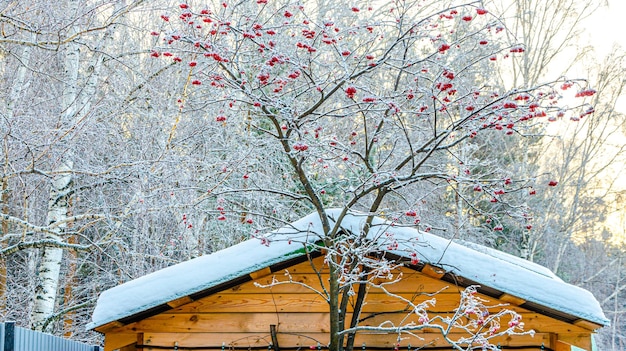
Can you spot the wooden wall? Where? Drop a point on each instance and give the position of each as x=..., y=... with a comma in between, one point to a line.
x=241, y=318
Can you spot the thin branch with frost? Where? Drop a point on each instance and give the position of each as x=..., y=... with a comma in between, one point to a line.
x=290, y=280
x=43, y=244
x=49, y=228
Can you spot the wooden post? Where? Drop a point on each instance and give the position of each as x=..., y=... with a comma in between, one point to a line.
x=9, y=336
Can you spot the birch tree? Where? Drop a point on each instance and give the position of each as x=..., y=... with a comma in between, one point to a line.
x=60, y=187
x=32, y=35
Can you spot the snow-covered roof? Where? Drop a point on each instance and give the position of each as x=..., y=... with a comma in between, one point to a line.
x=485, y=266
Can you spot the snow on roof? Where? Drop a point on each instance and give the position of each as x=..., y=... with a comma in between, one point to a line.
x=485, y=266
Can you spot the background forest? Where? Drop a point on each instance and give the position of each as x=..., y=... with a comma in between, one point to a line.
x=128, y=145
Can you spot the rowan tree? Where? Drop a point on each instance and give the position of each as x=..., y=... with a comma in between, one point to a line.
x=370, y=108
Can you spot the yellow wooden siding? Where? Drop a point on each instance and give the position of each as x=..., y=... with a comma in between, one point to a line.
x=241, y=317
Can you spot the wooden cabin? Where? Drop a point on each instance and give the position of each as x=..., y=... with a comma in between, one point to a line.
x=222, y=301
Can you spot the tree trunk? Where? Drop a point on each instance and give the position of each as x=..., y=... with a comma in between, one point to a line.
x=14, y=95
x=5, y=230
x=58, y=204
x=334, y=287
x=51, y=257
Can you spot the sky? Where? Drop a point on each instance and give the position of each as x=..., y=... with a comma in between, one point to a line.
x=606, y=27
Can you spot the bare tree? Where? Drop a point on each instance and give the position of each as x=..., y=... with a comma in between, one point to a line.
x=53, y=38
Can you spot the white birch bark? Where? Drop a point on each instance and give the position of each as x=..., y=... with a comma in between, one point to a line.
x=51, y=257
x=19, y=84
x=58, y=204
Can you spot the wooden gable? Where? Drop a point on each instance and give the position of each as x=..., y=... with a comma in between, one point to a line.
x=292, y=316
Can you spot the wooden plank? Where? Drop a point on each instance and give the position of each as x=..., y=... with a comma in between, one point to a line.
x=114, y=341
x=412, y=282
x=304, y=322
x=587, y=324
x=231, y=322
x=254, y=303
x=537, y=322
x=513, y=300
x=562, y=346
x=542, y=323
x=261, y=273
x=376, y=301
x=581, y=340
x=434, y=272
x=109, y=327
x=179, y=302
x=311, y=339
x=444, y=302
x=284, y=287
x=416, y=282
x=312, y=266
x=266, y=303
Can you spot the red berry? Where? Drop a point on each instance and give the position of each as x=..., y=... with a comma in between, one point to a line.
x=443, y=48
x=350, y=92
x=587, y=92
